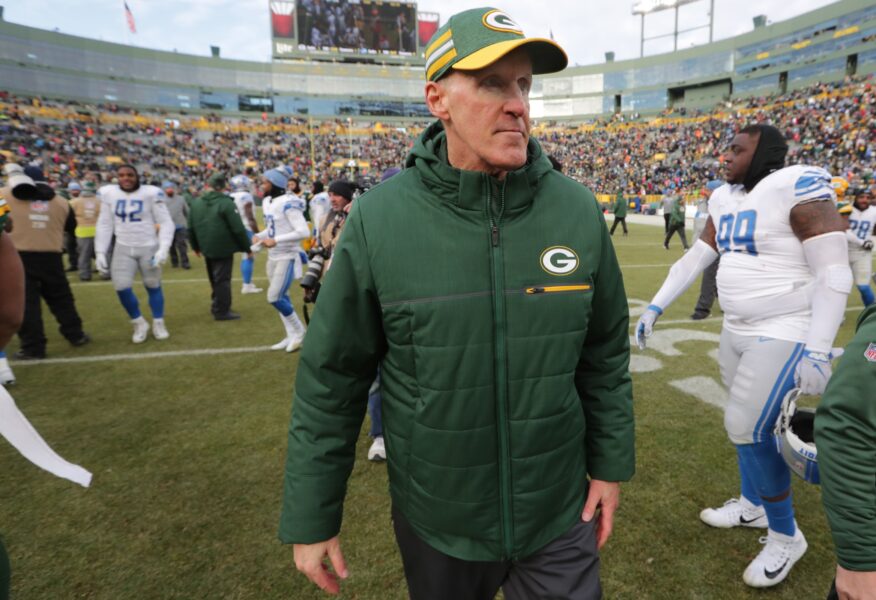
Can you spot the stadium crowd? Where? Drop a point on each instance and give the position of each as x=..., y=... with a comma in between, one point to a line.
x=830, y=125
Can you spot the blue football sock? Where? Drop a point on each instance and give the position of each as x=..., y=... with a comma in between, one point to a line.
x=767, y=471
x=284, y=305
x=129, y=301
x=2, y=354
x=246, y=268
x=156, y=302
x=867, y=294
x=747, y=485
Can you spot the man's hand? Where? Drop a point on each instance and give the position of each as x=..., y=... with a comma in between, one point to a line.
x=645, y=326
x=605, y=496
x=101, y=263
x=309, y=560
x=813, y=372
x=160, y=257
x=855, y=585
x=269, y=242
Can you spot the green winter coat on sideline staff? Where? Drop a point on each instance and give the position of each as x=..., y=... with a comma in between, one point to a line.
x=620, y=206
x=215, y=228
x=497, y=313
x=845, y=435
x=676, y=216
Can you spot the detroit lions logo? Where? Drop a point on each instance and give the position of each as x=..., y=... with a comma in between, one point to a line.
x=559, y=260
x=499, y=21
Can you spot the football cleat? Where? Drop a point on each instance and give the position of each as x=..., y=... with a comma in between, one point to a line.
x=377, y=451
x=159, y=330
x=294, y=343
x=141, y=330
x=250, y=288
x=7, y=377
x=774, y=562
x=281, y=345
x=735, y=513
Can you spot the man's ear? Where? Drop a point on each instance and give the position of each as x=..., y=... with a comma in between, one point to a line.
x=436, y=100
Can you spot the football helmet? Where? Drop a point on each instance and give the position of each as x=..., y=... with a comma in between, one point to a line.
x=795, y=438
x=839, y=185
x=240, y=183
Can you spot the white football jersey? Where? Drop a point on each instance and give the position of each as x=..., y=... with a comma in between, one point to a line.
x=132, y=217
x=861, y=224
x=241, y=199
x=764, y=281
x=284, y=222
x=320, y=206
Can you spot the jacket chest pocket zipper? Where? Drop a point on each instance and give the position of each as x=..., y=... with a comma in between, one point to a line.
x=553, y=289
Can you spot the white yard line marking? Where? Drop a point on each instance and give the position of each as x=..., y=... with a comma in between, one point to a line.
x=101, y=282
x=139, y=356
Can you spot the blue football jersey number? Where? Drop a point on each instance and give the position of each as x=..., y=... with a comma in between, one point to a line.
x=861, y=229
x=271, y=230
x=736, y=232
x=132, y=216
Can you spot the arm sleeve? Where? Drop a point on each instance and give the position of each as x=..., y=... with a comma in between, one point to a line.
x=166, y=227
x=235, y=226
x=828, y=257
x=103, y=234
x=602, y=377
x=845, y=434
x=193, y=234
x=345, y=341
x=299, y=231
x=853, y=239
x=684, y=272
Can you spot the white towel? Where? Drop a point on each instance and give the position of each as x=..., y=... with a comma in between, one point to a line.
x=15, y=427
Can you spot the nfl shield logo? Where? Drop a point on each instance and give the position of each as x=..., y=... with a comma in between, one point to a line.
x=870, y=353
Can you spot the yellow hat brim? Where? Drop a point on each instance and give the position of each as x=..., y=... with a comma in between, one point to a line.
x=547, y=55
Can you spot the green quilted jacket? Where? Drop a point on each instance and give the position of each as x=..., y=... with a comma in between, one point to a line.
x=497, y=314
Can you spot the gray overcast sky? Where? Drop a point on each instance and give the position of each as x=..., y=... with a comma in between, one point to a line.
x=585, y=28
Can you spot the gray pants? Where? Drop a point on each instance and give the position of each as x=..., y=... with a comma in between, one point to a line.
x=565, y=569
x=128, y=260
x=85, y=246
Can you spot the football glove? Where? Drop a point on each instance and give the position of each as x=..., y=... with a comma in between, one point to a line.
x=102, y=263
x=160, y=257
x=813, y=372
x=867, y=245
x=645, y=326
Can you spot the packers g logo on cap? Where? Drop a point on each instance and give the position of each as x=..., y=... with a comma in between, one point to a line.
x=499, y=21
x=559, y=260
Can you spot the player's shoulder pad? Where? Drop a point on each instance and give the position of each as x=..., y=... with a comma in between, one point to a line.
x=808, y=183
x=293, y=202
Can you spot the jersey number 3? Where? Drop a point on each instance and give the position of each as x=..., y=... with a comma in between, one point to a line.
x=736, y=232
x=132, y=216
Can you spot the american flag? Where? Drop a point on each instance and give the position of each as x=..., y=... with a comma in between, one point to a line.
x=129, y=16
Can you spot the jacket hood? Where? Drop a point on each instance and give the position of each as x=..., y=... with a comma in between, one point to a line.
x=768, y=157
x=213, y=196
x=466, y=188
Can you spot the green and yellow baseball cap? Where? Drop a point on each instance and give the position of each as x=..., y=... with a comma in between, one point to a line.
x=476, y=38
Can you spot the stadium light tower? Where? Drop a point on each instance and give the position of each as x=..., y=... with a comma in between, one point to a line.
x=644, y=7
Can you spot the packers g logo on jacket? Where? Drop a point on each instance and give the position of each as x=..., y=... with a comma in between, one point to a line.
x=559, y=260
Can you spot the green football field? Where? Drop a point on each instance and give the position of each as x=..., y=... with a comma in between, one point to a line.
x=186, y=439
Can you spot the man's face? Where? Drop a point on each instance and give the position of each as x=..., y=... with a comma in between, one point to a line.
x=338, y=201
x=74, y=193
x=127, y=179
x=265, y=187
x=738, y=157
x=862, y=202
x=486, y=114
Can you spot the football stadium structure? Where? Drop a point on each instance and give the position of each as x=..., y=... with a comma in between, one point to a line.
x=823, y=45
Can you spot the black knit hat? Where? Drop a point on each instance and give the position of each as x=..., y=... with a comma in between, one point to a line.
x=341, y=188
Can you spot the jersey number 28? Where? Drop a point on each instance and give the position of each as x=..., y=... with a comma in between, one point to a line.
x=736, y=232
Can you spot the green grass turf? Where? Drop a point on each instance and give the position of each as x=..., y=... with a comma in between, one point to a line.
x=187, y=455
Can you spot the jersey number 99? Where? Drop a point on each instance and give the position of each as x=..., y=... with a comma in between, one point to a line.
x=736, y=232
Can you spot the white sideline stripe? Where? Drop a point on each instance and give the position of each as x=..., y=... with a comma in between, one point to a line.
x=246, y=349
x=139, y=356
x=163, y=282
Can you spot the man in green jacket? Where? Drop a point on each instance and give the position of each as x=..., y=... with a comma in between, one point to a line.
x=845, y=434
x=217, y=232
x=676, y=223
x=485, y=285
x=620, y=212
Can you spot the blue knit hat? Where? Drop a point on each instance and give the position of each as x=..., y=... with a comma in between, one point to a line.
x=277, y=178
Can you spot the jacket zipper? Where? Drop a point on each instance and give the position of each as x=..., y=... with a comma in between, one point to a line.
x=501, y=367
x=553, y=289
